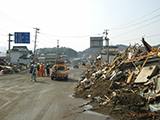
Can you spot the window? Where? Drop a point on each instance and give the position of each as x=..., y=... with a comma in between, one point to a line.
x=60, y=62
x=61, y=68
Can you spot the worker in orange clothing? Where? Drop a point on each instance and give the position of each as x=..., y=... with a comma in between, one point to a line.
x=41, y=69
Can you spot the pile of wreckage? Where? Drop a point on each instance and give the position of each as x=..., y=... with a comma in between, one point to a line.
x=128, y=87
x=8, y=68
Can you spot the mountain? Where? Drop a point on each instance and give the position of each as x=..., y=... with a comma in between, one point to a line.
x=74, y=54
x=121, y=47
x=90, y=51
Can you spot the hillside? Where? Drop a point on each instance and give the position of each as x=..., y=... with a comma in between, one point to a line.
x=74, y=54
x=121, y=47
x=90, y=51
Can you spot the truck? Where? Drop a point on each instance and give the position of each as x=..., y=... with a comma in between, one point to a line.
x=75, y=63
x=59, y=70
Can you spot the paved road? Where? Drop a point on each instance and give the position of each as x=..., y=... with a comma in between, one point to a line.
x=21, y=99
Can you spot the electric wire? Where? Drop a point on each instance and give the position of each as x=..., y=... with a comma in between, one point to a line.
x=138, y=23
x=118, y=27
x=58, y=36
x=150, y=36
x=7, y=17
x=66, y=36
x=135, y=29
x=13, y=20
x=53, y=40
x=42, y=43
x=2, y=35
x=4, y=30
x=7, y=27
x=3, y=42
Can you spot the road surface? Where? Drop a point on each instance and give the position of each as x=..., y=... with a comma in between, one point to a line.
x=22, y=99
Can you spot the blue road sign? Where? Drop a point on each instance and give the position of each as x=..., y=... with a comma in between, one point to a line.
x=22, y=37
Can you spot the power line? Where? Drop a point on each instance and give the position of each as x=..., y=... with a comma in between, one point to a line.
x=3, y=42
x=57, y=36
x=137, y=23
x=135, y=29
x=2, y=35
x=134, y=20
x=13, y=20
x=138, y=38
x=7, y=27
x=4, y=30
x=48, y=37
x=53, y=40
x=153, y=35
x=42, y=43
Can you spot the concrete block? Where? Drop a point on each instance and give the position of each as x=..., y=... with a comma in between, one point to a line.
x=147, y=73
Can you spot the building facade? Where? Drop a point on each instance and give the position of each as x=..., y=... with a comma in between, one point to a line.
x=20, y=55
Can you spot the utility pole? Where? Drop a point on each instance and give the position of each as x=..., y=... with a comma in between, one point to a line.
x=37, y=29
x=57, y=46
x=9, y=41
x=9, y=44
x=107, y=44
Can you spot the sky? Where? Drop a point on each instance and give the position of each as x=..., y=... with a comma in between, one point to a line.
x=73, y=22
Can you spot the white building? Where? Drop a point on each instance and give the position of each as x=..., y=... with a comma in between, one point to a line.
x=20, y=55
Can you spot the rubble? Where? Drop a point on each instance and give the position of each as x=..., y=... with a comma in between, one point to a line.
x=8, y=68
x=128, y=87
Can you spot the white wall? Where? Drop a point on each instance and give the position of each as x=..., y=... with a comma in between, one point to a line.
x=24, y=61
x=14, y=56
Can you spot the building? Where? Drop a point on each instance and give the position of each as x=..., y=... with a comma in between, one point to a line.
x=96, y=42
x=20, y=55
x=48, y=58
x=113, y=50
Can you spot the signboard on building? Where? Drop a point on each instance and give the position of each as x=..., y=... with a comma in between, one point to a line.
x=96, y=42
x=112, y=50
x=22, y=37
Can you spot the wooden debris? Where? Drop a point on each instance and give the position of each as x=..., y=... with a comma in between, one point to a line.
x=130, y=78
x=143, y=64
x=124, y=81
x=149, y=98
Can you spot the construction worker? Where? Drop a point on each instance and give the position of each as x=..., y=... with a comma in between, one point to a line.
x=48, y=68
x=37, y=69
x=41, y=69
x=87, y=73
x=34, y=73
x=31, y=71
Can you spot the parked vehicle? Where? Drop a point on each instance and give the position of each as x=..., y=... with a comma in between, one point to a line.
x=75, y=64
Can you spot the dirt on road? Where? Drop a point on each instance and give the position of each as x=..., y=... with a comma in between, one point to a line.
x=22, y=99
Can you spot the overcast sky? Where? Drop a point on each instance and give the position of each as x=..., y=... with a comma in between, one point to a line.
x=73, y=22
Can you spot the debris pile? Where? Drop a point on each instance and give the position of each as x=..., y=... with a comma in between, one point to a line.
x=7, y=68
x=127, y=88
